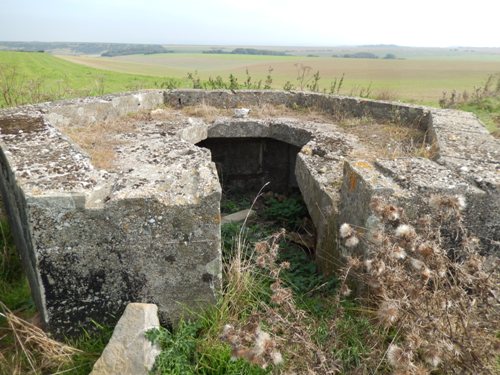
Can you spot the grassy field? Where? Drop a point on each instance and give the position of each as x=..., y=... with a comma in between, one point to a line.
x=415, y=80
x=35, y=77
x=43, y=76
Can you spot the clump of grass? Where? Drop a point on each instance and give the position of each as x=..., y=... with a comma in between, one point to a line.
x=429, y=289
x=14, y=289
x=484, y=101
x=32, y=347
x=386, y=94
x=389, y=140
x=207, y=112
x=479, y=95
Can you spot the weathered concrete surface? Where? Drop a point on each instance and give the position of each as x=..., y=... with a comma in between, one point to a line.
x=342, y=106
x=90, y=110
x=94, y=240
x=149, y=230
x=410, y=183
x=129, y=352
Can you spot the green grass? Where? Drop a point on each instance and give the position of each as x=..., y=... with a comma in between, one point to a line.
x=185, y=351
x=55, y=78
x=415, y=79
x=14, y=289
x=91, y=345
x=488, y=111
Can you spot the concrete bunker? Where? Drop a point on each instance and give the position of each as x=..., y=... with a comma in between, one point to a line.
x=93, y=239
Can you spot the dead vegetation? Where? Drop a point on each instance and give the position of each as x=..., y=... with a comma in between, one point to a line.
x=32, y=350
x=430, y=291
x=429, y=300
x=289, y=328
x=100, y=139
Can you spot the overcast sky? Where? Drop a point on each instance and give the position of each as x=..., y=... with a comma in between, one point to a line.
x=439, y=23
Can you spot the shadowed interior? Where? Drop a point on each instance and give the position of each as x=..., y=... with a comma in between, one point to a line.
x=246, y=164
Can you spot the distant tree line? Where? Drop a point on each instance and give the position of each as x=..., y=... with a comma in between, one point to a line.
x=247, y=51
x=103, y=49
x=145, y=49
x=365, y=55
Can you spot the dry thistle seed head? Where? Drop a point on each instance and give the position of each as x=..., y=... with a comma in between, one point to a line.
x=454, y=203
x=261, y=261
x=377, y=204
x=276, y=285
x=261, y=247
x=426, y=273
x=397, y=252
x=431, y=354
x=353, y=262
x=426, y=249
x=441, y=271
x=276, y=357
x=377, y=238
x=406, y=232
x=345, y=290
x=416, y=264
x=375, y=267
x=474, y=263
x=274, y=250
x=346, y=231
x=228, y=328
x=425, y=221
x=399, y=358
x=262, y=342
x=392, y=213
x=285, y=265
x=388, y=313
x=414, y=341
x=281, y=295
x=368, y=265
x=375, y=285
x=352, y=241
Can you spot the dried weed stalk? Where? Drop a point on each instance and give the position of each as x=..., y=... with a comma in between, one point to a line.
x=287, y=326
x=427, y=282
x=33, y=346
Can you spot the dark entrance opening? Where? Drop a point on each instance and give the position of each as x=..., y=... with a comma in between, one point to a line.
x=246, y=164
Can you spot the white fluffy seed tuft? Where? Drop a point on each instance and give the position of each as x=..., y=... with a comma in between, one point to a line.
x=352, y=241
x=346, y=231
x=405, y=231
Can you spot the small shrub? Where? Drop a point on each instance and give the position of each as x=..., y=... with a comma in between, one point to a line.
x=269, y=79
x=170, y=83
x=288, y=86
